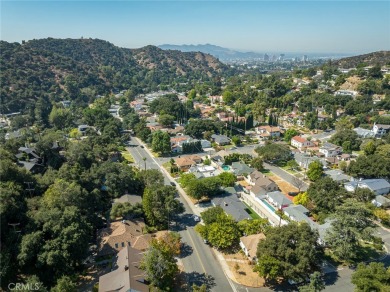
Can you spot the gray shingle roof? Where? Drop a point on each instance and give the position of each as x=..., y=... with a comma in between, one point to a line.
x=279, y=198
x=231, y=205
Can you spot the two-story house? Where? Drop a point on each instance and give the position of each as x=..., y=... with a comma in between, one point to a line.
x=268, y=132
x=380, y=130
x=330, y=150
x=300, y=142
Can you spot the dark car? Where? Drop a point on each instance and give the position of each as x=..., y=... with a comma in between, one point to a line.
x=293, y=194
x=142, y=146
x=172, y=184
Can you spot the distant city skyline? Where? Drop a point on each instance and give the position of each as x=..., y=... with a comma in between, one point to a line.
x=342, y=27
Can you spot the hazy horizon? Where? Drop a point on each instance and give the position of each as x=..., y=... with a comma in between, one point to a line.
x=326, y=27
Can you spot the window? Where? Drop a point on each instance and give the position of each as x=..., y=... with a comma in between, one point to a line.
x=116, y=245
x=123, y=244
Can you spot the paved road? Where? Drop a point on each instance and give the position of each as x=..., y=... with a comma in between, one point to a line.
x=199, y=261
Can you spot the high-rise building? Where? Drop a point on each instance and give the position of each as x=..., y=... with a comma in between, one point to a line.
x=305, y=58
x=281, y=57
x=266, y=58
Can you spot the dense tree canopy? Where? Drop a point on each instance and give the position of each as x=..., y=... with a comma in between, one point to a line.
x=352, y=222
x=274, y=151
x=371, y=277
x=290, y=252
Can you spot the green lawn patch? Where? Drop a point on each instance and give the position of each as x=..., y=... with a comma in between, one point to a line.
x=126, y=155
x=251, y=213
x=288, y=169
x=267, y=172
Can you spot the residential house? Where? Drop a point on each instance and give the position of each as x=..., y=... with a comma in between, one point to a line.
x=205, y=143
x=184, y=163
x=322, y=117
x=65, y=103
x=175, y=142
x=338, y=175
x=197, y=159
x=83, y=129
x=239, y=168
x=330, y=150
x=266, y=132
x=30, y=160
x=177, y=130
x=305, y=160
x=249, y=244
x=346, y=92
x=278, y=199
x=381, y=201
x=127, y=276
x=379, y=186
x=300, y=142
x=257, y=178
x=380, y=130
x=220, y=139
x=204, y=171
x=232, y=205
x=364, y=133
x=298, y=213
x=215, y=99
x=32, y=167
x=121, y=234
x=13, y=135
x=219, y=156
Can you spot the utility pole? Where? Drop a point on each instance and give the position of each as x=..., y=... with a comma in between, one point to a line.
x=29, y=188
x=14, y=225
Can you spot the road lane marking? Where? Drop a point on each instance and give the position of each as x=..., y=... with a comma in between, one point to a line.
x=197, y=252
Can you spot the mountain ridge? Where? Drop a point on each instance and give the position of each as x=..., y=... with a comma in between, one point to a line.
x=217, y=51
x=79, y=69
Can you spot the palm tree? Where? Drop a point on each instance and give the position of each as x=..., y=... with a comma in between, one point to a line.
x=144, y=159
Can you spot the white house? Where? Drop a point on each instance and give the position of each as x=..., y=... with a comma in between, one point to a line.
x=346, y=92
x=330, y=150
x=300, y=142
x=381, y=201
x=268, y=131
x=379, y=186
x=380, y=129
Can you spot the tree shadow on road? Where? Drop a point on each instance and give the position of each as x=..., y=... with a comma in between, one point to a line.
x=197, y=279
x=331, y=278
x=185, y=251
x=185, y=221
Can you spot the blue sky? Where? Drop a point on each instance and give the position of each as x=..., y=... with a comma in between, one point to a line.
x=263, y=26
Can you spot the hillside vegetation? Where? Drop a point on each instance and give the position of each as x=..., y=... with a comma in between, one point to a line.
x=371, y=59
x=50, y=70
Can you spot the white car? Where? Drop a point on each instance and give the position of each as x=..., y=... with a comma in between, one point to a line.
x=196, y=218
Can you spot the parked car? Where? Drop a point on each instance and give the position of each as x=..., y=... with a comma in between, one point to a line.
x=196, y=218
x=172, y=184
x=293, y=193
x=142, y=146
